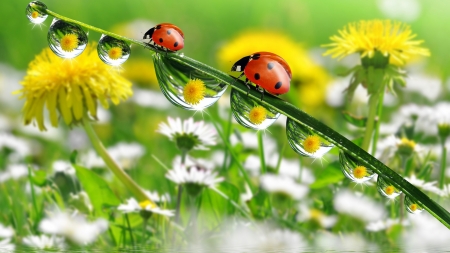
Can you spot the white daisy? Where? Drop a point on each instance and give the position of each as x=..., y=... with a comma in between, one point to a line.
x=324, y=220
x=132, y=206
x=6, y=232
x=60, y=166
x=195, y=174
x=125, y=154
x=44, y=242
x=14, y=171
x=426, y=186
x=380, y=225
x=16, y=144
x=360, y=207
x=283, y=185
x=6, y=245
x=73, y=227
x=188, y=134
x=156, y=197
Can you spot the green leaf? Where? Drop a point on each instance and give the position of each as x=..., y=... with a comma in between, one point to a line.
x=259, y=205
x=39, y=178
x=330, y=175
x=97, y=189
x=354, y=120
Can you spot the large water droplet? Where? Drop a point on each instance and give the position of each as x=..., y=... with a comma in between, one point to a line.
x=353, y=169
x=387, y=189
x=412, y=206
x=66, y=40
x=250, y=112
x=305, y=141
x=185, y=86
x=113, y=51
x=34, y=12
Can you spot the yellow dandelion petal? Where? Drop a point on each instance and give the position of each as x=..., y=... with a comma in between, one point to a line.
x=393, y=39
x=69, y=42
x=311, y=144
x=360, y=172
x=389, y=190
x=70, y=88
x=194, y=91
x=115, y=53
x=257, y=115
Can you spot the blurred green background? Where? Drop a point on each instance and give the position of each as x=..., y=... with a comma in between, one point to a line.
x=208, y=24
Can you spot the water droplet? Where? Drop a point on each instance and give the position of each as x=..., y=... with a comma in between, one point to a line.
x=113, y=51
x=250, y=112
x=65, y=39
x=305, y=141
x=412, y=206
x=184, y=86
x=353, y=169
x=387, y=189
x=34, y=12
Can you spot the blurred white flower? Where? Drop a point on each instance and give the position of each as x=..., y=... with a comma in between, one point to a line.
x=149, y=98
x=77, y=140
x=360, y=207
x=63, y=167
x=403, y=10
x=9, y=82
x=195, y=174
x=417, y=82
x=44, y=242
x=6, y=245
x=156, y=197
x=188, y=134
x=283, y=185
x=125, y=154
x=73, y=227
x=15, y=144
x=132, y=206
x=305, y=213
x=6, y=232
x=426, y=186
x=343, y=243
x=81, y=202
x=14, y=171
x=380, y=225
x=247, y=195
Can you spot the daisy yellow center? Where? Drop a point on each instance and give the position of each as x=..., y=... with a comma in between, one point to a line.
x=360, y=172
x=393, y=39
x=115, y=53
x=194, y=91
x=69, y=42
x=389, y=190
x=145, y=203
x=406, y=147
x=413, y=207
x=315, y=214
x=257, y=115
x=35, y=14
x=311, y=144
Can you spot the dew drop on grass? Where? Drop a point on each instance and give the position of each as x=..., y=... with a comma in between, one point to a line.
x=251, y=113
x=34, y=13
x=66, y=40
x=113, y=51
x=386, y=188
x=353, y=169
x=412, y=206
x=305, y=141
x=185, y=86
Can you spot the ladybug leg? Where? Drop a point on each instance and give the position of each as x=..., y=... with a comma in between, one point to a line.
x=248, y=85
x=261, y=90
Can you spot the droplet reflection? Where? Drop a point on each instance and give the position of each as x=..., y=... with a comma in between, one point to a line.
x=113, y=51
x=353, y=169
x=65, y=39
x=34, y=12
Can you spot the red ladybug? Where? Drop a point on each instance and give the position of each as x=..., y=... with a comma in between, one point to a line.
x=267, y=70
x=167, y=36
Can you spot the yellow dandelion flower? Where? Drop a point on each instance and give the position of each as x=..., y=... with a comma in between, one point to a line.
x=309, y=79
x=69, y=42
x=413, y=207
x=389, y=190
x=34, y=14
x=133, y=71
x=115, y=53
x=360, y=172
x=311, y=144
x=70, y=87
x=257, y=115
x=194, y=91
x=391, y=39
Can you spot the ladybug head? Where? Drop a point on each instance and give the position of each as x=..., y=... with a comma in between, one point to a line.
x=149, y=33
x=239, y=66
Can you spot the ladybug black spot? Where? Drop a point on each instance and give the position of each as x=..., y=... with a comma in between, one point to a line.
x=169, y=31
x=257, y=76
x=175, y=44
x=160, y=40
x=278, y=85
x=256, y=56
x=270, y=65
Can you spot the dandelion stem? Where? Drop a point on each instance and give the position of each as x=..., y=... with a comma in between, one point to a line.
x=377, y=124
x=112, y=165
x=261, y=152
x=33, y=197
x=373, y=102
x=443, y=163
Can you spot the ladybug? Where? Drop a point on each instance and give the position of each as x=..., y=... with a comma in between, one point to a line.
x=267, y=70
x=167, y=36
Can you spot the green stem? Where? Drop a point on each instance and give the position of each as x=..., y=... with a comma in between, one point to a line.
x=261, y=152
x=298, y=116
x=373, y=102
x=443, y=163
x=112, y=165
x=130, y=231
x=377, y=124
